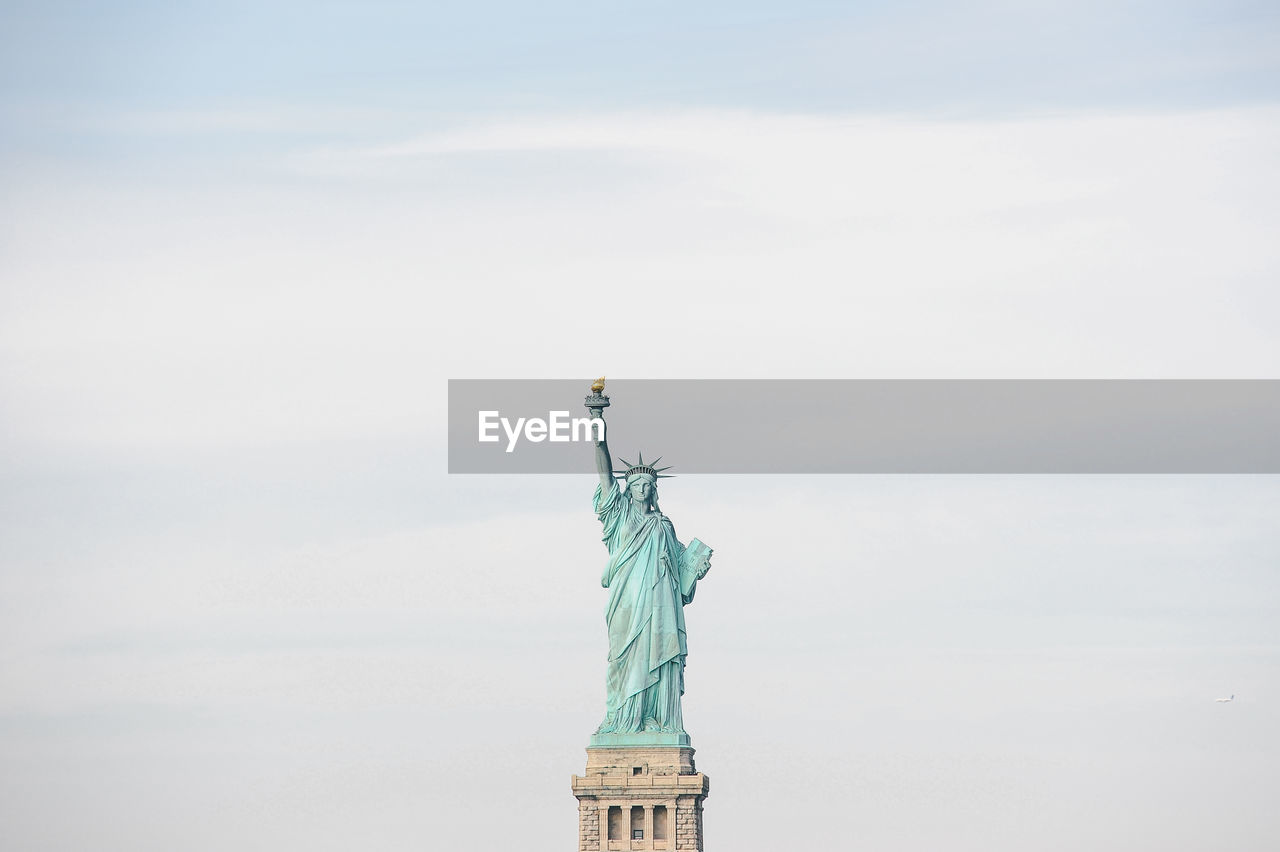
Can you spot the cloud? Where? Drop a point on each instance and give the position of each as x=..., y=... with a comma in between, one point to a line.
x=322, y=293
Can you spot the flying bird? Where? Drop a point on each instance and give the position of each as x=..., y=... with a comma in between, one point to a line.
x=1225, y=700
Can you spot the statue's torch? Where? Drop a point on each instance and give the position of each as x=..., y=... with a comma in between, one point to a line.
x=597, y=402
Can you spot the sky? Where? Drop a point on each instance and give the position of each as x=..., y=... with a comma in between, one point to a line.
x=243, y=247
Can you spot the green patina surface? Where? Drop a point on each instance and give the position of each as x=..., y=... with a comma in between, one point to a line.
x=650, y=576
x=638, y=739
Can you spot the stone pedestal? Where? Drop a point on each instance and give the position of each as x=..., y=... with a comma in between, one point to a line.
x=640, y=797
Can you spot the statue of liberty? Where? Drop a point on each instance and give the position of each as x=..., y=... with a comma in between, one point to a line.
x=650, y=576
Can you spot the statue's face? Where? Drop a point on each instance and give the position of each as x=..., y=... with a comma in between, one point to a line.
x=641, y=490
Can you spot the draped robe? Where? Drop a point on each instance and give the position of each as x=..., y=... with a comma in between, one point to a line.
x=645, y=615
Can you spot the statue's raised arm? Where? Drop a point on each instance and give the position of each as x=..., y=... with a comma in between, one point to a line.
x=604, y=466
x=604, y=463
x=596, y=404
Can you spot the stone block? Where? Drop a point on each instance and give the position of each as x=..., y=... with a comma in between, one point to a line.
x=647, y=776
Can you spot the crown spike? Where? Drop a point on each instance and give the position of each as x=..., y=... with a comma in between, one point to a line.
x=641, y=466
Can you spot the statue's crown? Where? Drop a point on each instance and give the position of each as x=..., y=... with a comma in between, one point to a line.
x=641, y=467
